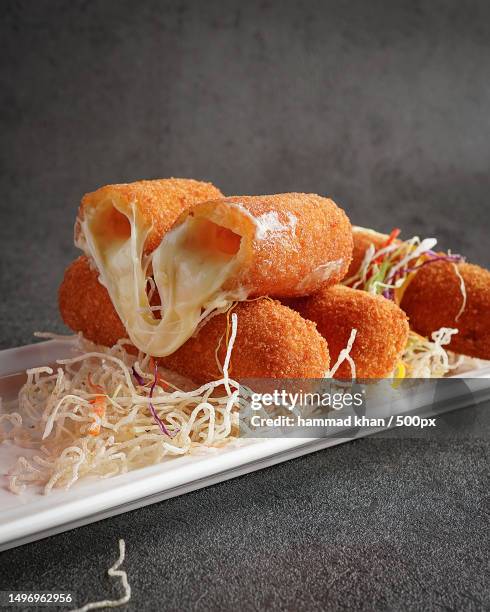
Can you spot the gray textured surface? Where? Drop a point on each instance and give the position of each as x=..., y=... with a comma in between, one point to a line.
x=372, y=525
x=383, y=106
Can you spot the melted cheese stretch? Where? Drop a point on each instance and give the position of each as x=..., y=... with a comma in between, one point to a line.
x=189, y=268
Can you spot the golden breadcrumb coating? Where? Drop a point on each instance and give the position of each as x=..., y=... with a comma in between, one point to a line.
x=272, y=340
x=433, y=299
x=382, y=328
x=295, y=243
x=159, y=202
x=86, y=306
x=363, y=239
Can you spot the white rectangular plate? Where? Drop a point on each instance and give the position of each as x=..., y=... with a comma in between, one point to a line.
x=32, y=515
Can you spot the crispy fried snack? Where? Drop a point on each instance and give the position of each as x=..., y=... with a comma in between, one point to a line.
x=284, y=245
x=272, y=340
x=382, y=328
x=237, y=248
x=433, y=300
x=86, y=306
x=217, y=252
x=119, y=227
x=157, y=203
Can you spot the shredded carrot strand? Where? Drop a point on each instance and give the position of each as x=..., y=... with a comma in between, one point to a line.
x=94, y=387
x=99, y=403
x=395, y=232
x=94, y=429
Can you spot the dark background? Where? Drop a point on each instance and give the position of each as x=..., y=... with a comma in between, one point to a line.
x=384, y=106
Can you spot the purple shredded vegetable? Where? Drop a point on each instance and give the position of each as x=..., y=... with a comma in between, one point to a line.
x=158, y=420
x=455, y=258
x=140, y=380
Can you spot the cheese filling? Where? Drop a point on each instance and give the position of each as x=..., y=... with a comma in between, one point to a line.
x=189, y=268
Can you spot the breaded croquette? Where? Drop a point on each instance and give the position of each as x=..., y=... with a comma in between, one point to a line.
x=86, y=306
x=441, y=293
x=157, y=203
x=119, y=227
x=382, y=328
x=217, y=252
x=272, y=340
x=434, y=298
x=284, y=245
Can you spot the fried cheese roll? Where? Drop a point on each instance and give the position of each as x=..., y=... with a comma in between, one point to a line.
x=272, y=340
x=105, y=215
x=119, y=226
x=283, y=245
x=382, y=328
x=433, y=299
x=85, y=305
x=237, y=248
x=218, y=252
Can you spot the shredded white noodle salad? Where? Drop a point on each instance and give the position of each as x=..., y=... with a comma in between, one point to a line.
x=424, y=358
x=93, y=416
